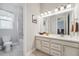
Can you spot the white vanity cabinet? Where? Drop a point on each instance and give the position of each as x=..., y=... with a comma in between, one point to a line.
x=70, y=48
x=42, y=44
x=57, y=47
x=45, y=46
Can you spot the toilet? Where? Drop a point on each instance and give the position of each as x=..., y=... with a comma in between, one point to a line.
x=7, y=43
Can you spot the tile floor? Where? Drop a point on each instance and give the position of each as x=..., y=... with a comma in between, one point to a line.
x=38, y=53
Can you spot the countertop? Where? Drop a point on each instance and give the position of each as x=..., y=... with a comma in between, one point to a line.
x=61, y=37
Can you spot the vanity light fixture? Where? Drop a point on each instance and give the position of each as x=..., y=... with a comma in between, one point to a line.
x=55, y=10
x=68, y=6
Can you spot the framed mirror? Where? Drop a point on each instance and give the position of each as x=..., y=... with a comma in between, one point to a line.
x=57, y=24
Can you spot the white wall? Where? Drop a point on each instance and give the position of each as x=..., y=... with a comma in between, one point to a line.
x=76, y=12
x=30, y=29
x=25, y=29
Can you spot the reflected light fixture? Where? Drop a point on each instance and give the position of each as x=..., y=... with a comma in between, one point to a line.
x=56, y=9
x=42, y=14
x=62, y=8
x=49, y=12
x=68, y=6
x=45, y=13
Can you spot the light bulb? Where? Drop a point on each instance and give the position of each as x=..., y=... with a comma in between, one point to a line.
x=68, y=6
x=62, y=8
x=56, y=9
x=45, y=13
x=49, y=12
x=42, y=14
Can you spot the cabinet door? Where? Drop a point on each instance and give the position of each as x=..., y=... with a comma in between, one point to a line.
x=70, y=51
x=38, y=44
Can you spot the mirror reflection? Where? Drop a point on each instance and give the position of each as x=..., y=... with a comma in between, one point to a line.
x=57, y=24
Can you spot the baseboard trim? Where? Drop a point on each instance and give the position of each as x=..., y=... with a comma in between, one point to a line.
x=29, y=53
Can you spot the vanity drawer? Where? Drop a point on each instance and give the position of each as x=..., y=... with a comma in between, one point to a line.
x=56, y=41
x=55, y=53
x=56, y=46
x=41, y=38
x=45, y=49
x=72, y=44
x=45, y=43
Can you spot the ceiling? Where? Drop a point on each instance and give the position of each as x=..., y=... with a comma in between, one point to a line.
x=12, y=4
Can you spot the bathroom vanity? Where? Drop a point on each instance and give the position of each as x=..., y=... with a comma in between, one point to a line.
x=62, y=27
x=57, y=45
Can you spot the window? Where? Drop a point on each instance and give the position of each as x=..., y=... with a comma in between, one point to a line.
x=6, y=22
